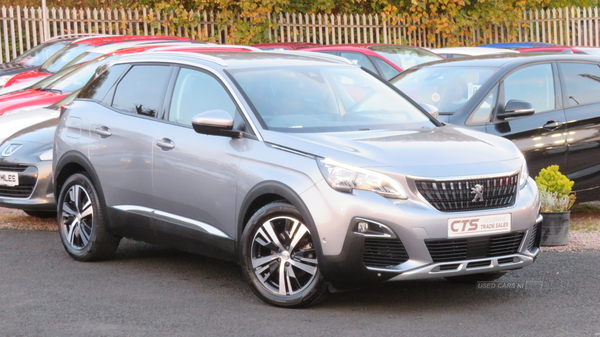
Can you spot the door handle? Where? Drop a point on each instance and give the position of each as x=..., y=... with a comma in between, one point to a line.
x=165, y=144
x=103, y=131
x=552, y=125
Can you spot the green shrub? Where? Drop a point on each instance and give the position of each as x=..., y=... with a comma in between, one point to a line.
x=555, y=190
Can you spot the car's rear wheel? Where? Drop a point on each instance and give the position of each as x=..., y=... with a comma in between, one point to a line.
x=474, y=278
x=279, y=259
x=82, y=225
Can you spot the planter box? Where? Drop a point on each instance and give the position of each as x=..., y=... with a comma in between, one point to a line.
x=555, y=229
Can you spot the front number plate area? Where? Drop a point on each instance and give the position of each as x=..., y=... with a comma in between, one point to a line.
x=488, y=224
x=9, y=178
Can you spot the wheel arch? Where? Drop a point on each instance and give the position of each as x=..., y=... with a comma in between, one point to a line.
x=267, y=192
x=71, y=163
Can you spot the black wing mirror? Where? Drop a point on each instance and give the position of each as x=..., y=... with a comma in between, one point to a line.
x=215, y=122
x=516, y=108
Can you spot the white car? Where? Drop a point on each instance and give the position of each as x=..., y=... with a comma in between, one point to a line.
x=454, y=52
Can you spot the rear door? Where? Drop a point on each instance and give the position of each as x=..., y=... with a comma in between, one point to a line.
x=581, y=94
x=120, y=146
x=542, y=136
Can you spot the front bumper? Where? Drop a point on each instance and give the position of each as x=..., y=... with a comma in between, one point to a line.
x=354, y=258
x=35, y=191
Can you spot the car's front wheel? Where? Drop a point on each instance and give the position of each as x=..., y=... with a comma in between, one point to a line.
x=82, y=226
x=279, y=259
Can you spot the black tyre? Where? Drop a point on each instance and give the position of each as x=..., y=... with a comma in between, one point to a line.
x=41, y=214
x=81, y=221
x=279, y=259
x=474, y=278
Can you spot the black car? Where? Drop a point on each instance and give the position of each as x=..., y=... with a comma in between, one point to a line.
x=548, y=105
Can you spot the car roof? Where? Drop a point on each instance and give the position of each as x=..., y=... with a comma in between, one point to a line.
x=107, y=48
x=500, y=60
x=516, y=44
x=233, y=60
x=471, y=50
x=101, y=40
x=287, y=45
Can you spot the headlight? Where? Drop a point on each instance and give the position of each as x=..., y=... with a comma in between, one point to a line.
x=523, y=175
x=345, y=178
x=46, y=156
x=4, y=79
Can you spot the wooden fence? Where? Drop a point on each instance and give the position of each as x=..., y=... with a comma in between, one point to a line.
x=24, y=27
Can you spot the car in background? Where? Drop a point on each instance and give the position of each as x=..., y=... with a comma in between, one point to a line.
x=61, y=58
x=385, y=60
x=28, y=153
x=34, y=57
x=31, y=131
x=515, y=45
x=562, y=49
x=308, y=171
x=279, y=46
x=454, y=52
x=548, y=105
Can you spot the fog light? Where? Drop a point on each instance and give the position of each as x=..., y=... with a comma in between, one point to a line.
x=363, y=227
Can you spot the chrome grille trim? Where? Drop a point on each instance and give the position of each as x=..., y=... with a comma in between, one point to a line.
x=458, y=195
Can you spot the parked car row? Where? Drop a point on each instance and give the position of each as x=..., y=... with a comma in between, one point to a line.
x=306, y=166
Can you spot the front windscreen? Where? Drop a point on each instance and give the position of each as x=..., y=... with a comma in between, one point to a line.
x=446, y=88
x=326, y=99
x=66, y=55
x=85, y=57
x=78, y=77
x=404, y=56
x=34, y=57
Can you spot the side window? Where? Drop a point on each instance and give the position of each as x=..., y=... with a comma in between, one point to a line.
x=582, y=83
x=360, y=59
x=196, y=92
x=142, y=90
x=534, y=84
x=388, y=71
x=483, y=114
x=99, y=87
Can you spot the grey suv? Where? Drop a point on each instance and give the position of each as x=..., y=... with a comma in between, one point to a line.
x=306, y=170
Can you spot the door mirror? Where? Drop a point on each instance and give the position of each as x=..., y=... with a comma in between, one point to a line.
x=516, y=108
x=431, y=109
x=215, y=122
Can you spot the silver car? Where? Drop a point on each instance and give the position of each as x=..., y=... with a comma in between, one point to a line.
x=309, y=172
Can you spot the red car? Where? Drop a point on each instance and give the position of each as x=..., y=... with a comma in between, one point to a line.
x=386, y=60
x=57, y=61
x=285, y=45
x=53, y=88
x=561, y=49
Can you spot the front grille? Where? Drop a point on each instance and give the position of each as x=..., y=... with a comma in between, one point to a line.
x=460, y=195
x=449, y=250
x=13, y=168
x=26, y=183
x=383, y=253
x=534, y=237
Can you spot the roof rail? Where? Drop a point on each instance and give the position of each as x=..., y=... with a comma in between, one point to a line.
x=169, y=56
x=322, y=56
x=207, y=45
x=73, y=36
